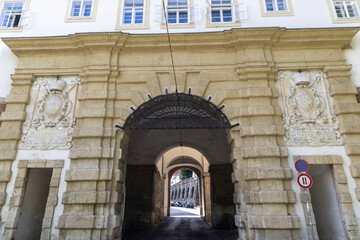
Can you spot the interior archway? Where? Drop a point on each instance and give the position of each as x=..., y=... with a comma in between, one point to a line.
x=154, y=154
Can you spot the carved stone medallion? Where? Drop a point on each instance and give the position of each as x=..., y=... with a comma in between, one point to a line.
x=308, y=117
x=50, y=114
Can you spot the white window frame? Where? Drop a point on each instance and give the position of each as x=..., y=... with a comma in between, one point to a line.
x=178, y=9
x=13, y=13
x=133, y=14
x=277, y=7
x=82, y=9
x=220, y=8
x=345, y=8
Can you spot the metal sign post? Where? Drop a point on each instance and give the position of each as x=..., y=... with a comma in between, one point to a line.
x=305, y=182
x=308, y=210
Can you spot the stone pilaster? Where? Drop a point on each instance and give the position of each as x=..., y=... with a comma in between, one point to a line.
x=347, y=111
x=263, y=194
x=10, y=131
x=91, y=180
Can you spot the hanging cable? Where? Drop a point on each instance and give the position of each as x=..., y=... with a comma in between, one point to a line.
x=171, y=52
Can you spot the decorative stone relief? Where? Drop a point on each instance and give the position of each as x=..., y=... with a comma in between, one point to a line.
x=307, y=114
x=50, y=114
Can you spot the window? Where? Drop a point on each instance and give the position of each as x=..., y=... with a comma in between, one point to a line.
x=178, y=11
x=11, y=14
x=346, y=9
x=81, y=8
x=133, y=12
x=221, y=11
x=276, y=5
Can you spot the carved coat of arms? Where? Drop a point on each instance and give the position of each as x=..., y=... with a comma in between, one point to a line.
x=308, y=118
x=50, y=114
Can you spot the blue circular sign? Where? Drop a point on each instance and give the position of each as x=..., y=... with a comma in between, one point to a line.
x=302, y=166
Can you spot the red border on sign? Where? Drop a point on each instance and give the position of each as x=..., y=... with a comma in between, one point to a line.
x=308, y=166
x=311, y=181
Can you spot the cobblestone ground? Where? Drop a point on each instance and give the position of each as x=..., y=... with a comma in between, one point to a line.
x=183, y=228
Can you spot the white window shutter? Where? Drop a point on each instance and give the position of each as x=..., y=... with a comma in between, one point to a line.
x=208, y=5
x=24, y=20
x=195, y=13
x=159, y=14
x=240, y=12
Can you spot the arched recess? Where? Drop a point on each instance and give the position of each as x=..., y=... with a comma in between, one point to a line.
x=147, y=142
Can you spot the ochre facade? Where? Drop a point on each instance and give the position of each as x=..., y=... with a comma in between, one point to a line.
x=237, y=68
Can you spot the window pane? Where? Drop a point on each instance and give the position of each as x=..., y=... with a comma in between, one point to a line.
x=128, y=3
x=8, y=6
x=4, y=18
x=270, y=6
x=215, y=16
x=127, y=16
x=139, y=3
x=171, y=17
x=339, y=9
x=352, y=9
x=281, y=5
x=75, y=9
x=183, y=17
x=227, y=15
x=172, y=2
x=87, y=8
x=18, y=5
x=139, y=15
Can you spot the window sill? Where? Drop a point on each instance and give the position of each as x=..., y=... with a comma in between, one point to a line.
x=80, y=19
x=222, y=24
x=347, y=20
x=131, y=26
x=277, y=14
x=177, y=25
x=17, y=29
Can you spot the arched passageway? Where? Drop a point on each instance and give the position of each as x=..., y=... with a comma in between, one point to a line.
x=154, y=153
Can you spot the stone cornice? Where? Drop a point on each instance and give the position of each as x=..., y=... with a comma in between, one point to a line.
x=247, y=37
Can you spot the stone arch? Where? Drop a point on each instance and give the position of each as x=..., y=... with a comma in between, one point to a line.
x=213, y=144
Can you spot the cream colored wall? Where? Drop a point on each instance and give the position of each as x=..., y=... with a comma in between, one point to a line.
x=237, y=68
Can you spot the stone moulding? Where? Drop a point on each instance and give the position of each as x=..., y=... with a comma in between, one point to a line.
x=50, y=114
x=307, y=115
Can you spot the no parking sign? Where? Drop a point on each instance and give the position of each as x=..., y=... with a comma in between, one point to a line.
x=304, y=181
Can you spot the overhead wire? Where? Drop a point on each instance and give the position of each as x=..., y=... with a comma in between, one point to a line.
x=173, y=68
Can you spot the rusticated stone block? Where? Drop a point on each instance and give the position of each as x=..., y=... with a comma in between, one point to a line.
x=36, y=164
x=343, y=108
x=259, y=92
x=254, y=152
x=54, y=163
x=51, y=201
x=10, y=134
x=267, y=173
x=18, y=98
x=78, y=153
x=355, y=171
x=349, y=128
x=2, y=198
x=344, y=198
x=85, y=197
x=5, y=176
x=91, y=112
x=88, y=174
x=19, y=182
x=342, y=89
x=7, y=154
x=13, y=116
x=281, y=222
x=76, y=222
x=22, y=163
x=352, y=149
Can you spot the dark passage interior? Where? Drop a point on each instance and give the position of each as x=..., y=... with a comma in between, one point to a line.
x=325, y=205
x=34, y=203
